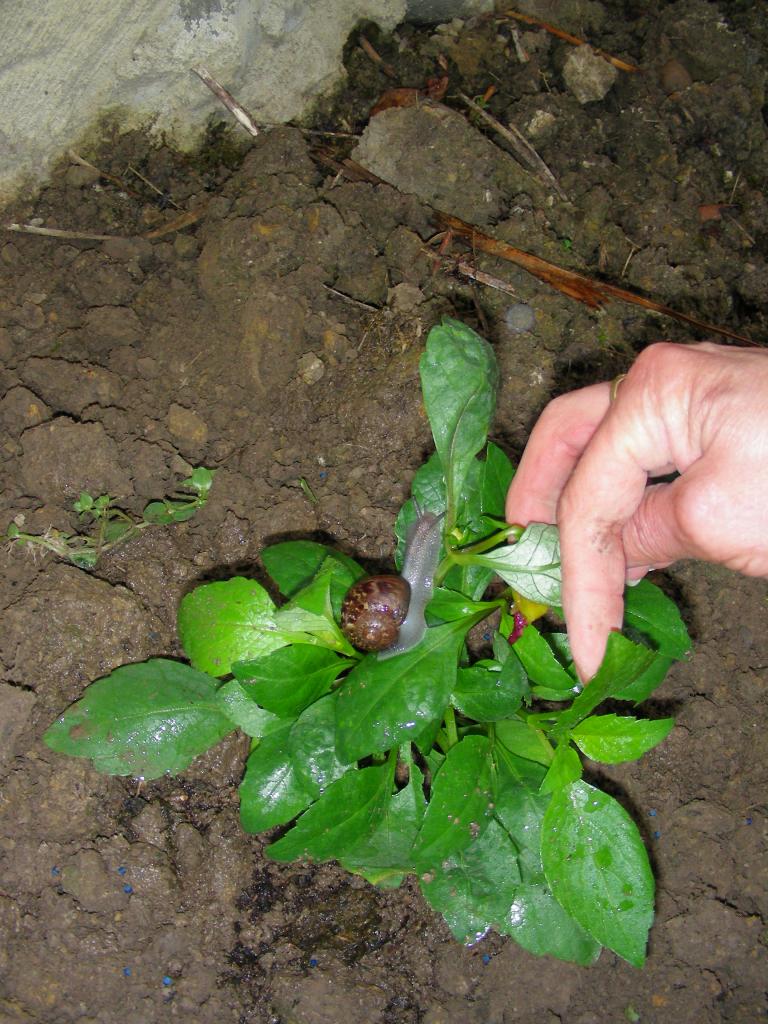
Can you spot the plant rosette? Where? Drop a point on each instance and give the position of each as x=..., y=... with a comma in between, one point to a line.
x=463, y=771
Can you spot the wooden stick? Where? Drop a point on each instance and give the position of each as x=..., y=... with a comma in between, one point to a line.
x=236, y=109
x=462, y=267
x=576, y=286
x=33, y=229
x=617, y=62
x=522, y=147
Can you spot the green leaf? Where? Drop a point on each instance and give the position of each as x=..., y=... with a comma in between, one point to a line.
x=650, y=611
x=597, y=866
x=492, y=692
x=147, y=720
x=244, y=711
x=623, y=663
x=537, y=922
x=291, y=678
x=525, y=740
x=541, y=663
x=460, y=804
x=531, y=566
x=220, y=623
x=565, y=768
x=647, y=682
x=474, y=888
x=200, y=480
x=312, y=746
x=163, y=512
x=534, y=918
x=383, y=703
x=496, y=477
x=349, y=811
x=448, y=605
x=389, y=846
x=458, y=379
x=293, y=563
x=272, y=792
x=612, y=739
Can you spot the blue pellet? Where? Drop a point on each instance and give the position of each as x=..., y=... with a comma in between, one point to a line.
x=652, y=814
x=657, y=835
x=486, y=958
x=167, y=980
x=313, y=962
x=128, y=889
x=121, y=870
x=55, y=871
x=127, y=972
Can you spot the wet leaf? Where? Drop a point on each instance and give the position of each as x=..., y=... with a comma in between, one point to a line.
x=292, y=564
x=144, y=720
x=458, y=380
x=489, y=693
x=612, y=739
x=389, y=846
x=383, y=703
x=272, y=792
x=312, y=746
x=244, y=711
x=291, y=678
x=650, y=611
x=459, y=807
x=597, y=866
x=348, y=812
x=541, y=663
x=220, y=623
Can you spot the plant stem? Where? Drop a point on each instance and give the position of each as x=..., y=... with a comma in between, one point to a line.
x=452, y=734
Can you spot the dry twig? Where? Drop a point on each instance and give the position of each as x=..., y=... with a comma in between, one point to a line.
x=522, y=147
x=576, y=286
x=237, y=110
x=33, y=229
x=617, y=62
x=376, y=57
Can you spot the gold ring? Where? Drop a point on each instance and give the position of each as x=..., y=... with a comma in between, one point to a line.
x=615, y=384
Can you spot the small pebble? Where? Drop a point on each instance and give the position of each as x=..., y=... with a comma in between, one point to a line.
x=674, y=77
x=520, y=318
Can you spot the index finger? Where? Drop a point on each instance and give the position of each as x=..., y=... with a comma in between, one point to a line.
x=603, y=492
x=560, y=436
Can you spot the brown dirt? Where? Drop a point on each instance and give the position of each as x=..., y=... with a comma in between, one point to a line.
x=229, y=345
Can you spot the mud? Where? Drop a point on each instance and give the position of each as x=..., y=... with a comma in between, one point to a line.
x=277, y=340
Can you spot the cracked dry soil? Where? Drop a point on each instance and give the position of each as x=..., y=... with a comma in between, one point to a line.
x=277, y=340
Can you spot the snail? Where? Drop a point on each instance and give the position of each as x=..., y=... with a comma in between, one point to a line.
x=386, y=613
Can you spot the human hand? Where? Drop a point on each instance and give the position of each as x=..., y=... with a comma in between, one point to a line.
x=700, y=410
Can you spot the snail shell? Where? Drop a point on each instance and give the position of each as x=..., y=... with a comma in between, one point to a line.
x=386, y=613
x=374, y=608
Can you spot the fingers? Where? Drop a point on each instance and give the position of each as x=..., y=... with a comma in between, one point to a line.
x=554, y=447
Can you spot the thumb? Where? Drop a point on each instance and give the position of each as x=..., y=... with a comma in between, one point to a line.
x=658, y=532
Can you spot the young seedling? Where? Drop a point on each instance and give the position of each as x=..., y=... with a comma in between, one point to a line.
x=106, y=525
x=463, y=771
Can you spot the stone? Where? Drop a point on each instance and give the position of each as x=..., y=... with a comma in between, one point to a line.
x=57, y=94
x=588, y=76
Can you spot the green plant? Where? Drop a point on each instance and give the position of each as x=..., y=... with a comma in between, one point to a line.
x=106, y=525
x=462, y=771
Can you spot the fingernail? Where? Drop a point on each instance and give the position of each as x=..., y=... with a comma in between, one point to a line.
x=632, y=583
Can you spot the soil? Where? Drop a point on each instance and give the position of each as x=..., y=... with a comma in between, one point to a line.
x=276, y=339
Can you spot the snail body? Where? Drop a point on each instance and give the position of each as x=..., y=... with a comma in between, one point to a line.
x=386, y=613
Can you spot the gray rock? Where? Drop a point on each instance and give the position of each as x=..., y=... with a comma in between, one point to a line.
x=588, y=76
